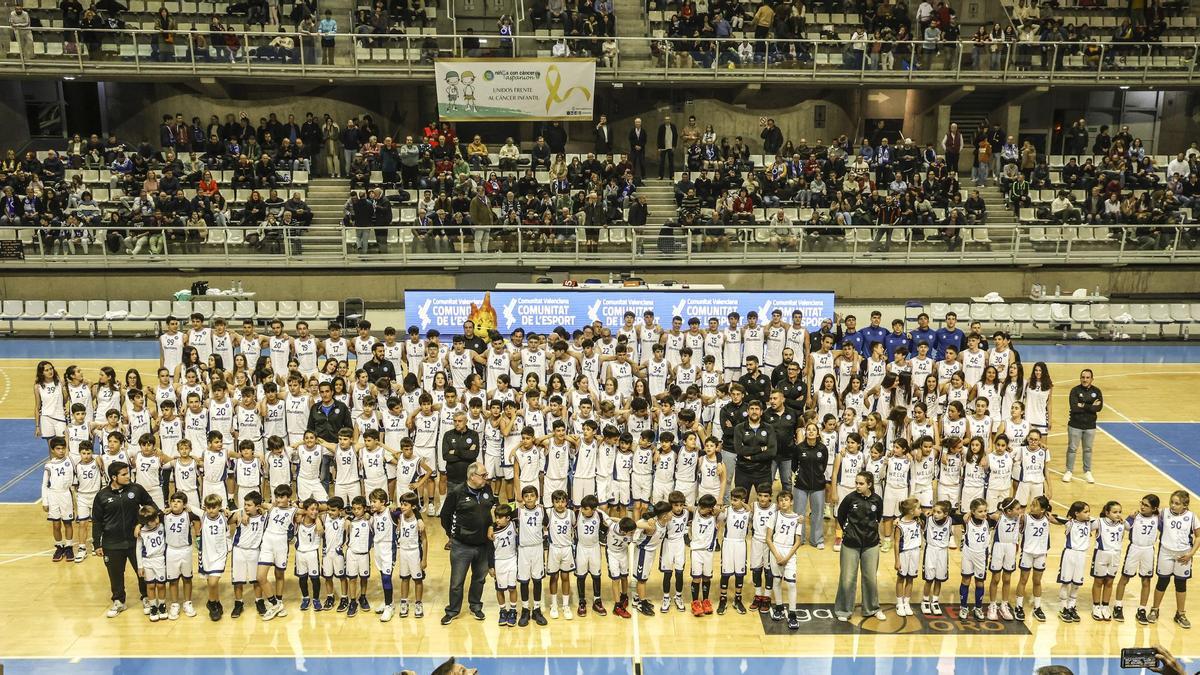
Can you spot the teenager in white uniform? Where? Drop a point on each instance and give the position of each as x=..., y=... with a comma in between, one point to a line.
x=49, y=411
x=1074, y=559
x=58, y=475
x=907, y=545
x=1002, y=561
x=170, y=346
x=937, y=536
x=177, y=524
x=1035, y=546
x=733, y=549
x=306, y=348
x=1038, y=399
x=731, y=351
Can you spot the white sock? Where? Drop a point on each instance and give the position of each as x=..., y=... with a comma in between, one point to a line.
x=792, y=594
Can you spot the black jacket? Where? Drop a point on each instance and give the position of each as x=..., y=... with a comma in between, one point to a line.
x=115, y=514
x=377, y=369
x=1085, y=404
x=757, y=387
x=808, y=466
x=637, y=138
x=784, y=424
x=467, y=514
x=859, y=517
x=326, y=425
x=731, y=416
x=755, y=447
x=459, y=449
x=662, y=137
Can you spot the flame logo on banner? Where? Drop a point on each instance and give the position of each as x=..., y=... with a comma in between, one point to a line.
x=484, y=316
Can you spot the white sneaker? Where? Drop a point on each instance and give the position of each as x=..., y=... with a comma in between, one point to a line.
x=993, y=614
x=282, y=611
x=429, y=509
x=880, y=615
x=821, y=546
x=188, y=609
x=1005, y=612
x=679, y=603
x=666, y=606
x=1087, y=475
x=173, y=612
x=146, y=606
x=887, y=545
x=553, y=611
x=386, y=615
x=900, y=608
x=115, y=610
x=567, y=613
x=1067, y=477
x=80, y=554
x=271, y=612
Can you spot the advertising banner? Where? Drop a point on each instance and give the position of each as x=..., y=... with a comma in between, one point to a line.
x=542, y=311
x=514, y=89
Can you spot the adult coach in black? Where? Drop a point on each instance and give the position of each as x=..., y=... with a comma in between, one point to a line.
x=1085, y=402
x=460, y=449
x=326, y=418
x=731, y=415
x=114, y=515
x=755, y=445
x=859, y=515
x=466, y=517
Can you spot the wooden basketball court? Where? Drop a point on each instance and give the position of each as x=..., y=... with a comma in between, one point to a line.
x=55, y=611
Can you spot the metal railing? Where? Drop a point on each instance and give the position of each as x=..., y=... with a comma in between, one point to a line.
x=411, y=245
x=49, y=51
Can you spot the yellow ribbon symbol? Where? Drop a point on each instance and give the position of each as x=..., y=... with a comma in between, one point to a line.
x=553, y=82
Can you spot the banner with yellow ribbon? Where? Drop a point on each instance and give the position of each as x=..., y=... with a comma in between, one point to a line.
x=514, y=89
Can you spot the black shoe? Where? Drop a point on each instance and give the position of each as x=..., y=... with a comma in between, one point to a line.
x=329, y=602
x=214, y=610
x=448, y=619
x=1064, y=615
x=645, y=607
x=1039, y=614
x=524, y=620
x=738, y=606
x=1019, y=612
x=343, y=604
x=793, y=621
x=1118, y=613
x=478, y=614
x=1075, y=615
x=722, y=605
x=363, y=604
x=777, y=613
x=238, y=608
x=538, y=617
x=1141, y=616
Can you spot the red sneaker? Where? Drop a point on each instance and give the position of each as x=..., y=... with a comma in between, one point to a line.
x=583, y=609
x=598, y=608
x=757, y=602
x=697, y=608
x=707, y=605
x=764, y=605
x=620, y=611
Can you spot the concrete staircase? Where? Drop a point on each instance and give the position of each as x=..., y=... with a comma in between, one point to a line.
x=632, y=22
x=1001, y=223
x=326, y=198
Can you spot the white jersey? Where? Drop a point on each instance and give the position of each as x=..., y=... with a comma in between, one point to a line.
x=275, y=423
x=531, y=526
x=251, y=348
x=222, y=346
x=345, y=461
x=1179, y=530
x=1000, y=470
x=937, y=534
x=776, y=339
x=704, y=533
x=50, y=395
x=152, y=543
x=362, y=347
x=1037, y=403
x=408, y=534
x=731, y=351
x=309, y=462
x=195, y=428
x=278, y=469
x=339, y=349
x=178, y=528
x=753, y=338
x=88, y=477
x=307, y=538
x=220, y=418
x=909, y=532
x=461, y=366
x=851, y=466
x=560, y=528
x=249, y=424
x=170, y=432
x=785, y=528
x=761, y=521
x=201, y=339
x=393, y=353
x=557, y=460
x=425, y=431
x=1108, y=534
x=1143, y=530
x=973, y=365
x=737, y=524
x=280, y=348
x=171, y=348
x=107, y=398
x=248, y=474
x=1035, y=537
x=587, y=530
x=1033, y=466
x=306, y=354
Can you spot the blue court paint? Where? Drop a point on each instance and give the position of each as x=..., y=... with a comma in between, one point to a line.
x=316, y=666
x=25, y=348
x=1076, y=352
x=1167, y=445
x=875, y=665
x=24, y=455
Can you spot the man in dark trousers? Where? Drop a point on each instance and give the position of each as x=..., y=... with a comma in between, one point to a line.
x=731, y=415
x=460, y=449
x=466, y=516
x=755, y=445
x=602, y=137
x=637, y=149
x=1085, y=402
x=381, y=219
x=325, y=419
x=668, y=138
x=114, y=514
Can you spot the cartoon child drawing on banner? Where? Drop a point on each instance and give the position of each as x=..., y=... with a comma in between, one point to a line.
x=452, y=80
x=468, y=82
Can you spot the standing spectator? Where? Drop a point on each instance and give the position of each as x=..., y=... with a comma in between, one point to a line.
x=327, y=29
x=952, y=144
x=637, y=148
x=668, y=138
x=330, y=133
x=755, y=445
x=772, y=137
x=466, y=516
x=763, y=19
x=1085, y=402
x=351, y=142
x=859, y=515
x=602, y=137
x=115, y=513
x=556, y=138
x=483, y=219
x=19, y=21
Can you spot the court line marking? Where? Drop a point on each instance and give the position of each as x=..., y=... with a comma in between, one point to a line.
x=26, y=473
x=1153, y=436
x=25, y=557
x=7, y=386
x=1135, y=453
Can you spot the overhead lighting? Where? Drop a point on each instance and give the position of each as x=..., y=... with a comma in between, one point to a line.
x=68, y=78
x=1124, y=86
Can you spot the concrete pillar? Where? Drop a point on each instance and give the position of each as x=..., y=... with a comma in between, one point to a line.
x=1012, y=120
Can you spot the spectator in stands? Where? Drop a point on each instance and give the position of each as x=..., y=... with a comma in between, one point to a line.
x=771, y=136
x=509, y=155
x=20, y=22
x=328, y=29
x=764, y=18
x=540, y=155
x=668, y=139
x=602, y=137
x=1075, y=141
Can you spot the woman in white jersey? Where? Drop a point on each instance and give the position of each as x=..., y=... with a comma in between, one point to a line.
x=106, y=394
x=1038, y=399
x=955, y=391
x=49, y=403
x=1143, y=528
